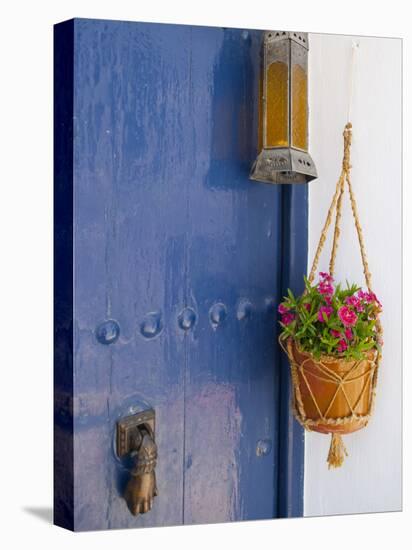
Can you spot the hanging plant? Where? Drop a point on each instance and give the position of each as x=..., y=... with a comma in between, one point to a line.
x=333, y=338
x=333, y=321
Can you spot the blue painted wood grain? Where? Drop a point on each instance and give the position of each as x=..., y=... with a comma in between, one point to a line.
x=232, y=386
x=178, y=264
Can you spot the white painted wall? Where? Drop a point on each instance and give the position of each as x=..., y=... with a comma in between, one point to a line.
x=370, y=480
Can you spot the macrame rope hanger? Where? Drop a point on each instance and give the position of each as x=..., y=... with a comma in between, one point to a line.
x=337, y=449
x=345, y=177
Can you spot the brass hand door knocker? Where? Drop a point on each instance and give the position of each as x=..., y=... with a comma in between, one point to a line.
x=135, y=435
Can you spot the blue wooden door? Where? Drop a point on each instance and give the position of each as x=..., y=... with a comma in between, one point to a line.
x=178, y=260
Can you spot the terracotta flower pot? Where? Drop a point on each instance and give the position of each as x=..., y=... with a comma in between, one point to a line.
x=330, y=389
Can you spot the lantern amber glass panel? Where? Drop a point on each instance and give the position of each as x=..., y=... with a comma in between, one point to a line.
x=277, y=105
x=283, y=111
x=299, y=83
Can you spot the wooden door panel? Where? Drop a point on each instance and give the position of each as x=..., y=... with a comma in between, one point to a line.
x=231, y=418
x=177, y=261
x=130, y=177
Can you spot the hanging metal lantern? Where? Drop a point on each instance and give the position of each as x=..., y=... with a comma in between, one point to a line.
x=283, y=111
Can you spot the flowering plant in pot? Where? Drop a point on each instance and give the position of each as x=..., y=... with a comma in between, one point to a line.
x=333, y=336
x=333, y=340
x=331, y=320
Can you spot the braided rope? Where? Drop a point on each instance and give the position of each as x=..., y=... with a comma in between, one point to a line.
x=325, y=230
x=337, y=450
x=336, y=203
x=336, y=233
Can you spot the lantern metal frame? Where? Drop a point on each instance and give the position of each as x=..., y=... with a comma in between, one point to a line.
x=279, y=164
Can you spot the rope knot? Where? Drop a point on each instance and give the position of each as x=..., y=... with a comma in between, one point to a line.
x=347, y=132
x=347, y=142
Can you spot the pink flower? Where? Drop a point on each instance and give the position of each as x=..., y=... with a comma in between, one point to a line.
x=335, y=333
x=348, y=333
x=372, y=298
x=328, y=300
x=347, y=316
x=369, y=297
x=282, y=309
x=327, y=310
x=326, y=277
x=325, y=287
x=342, y=346
x=287, y=318
x=355, y=302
